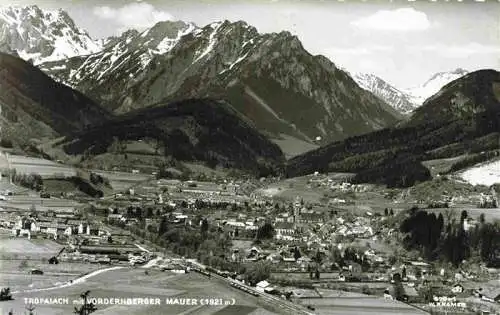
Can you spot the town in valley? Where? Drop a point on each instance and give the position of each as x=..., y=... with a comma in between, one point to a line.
x=156, y=158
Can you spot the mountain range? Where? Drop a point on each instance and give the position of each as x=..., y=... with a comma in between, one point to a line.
x=46, y=36
x=43, y=35
x=36, y=110
x=269, y=78
x=194, y=130
x=462, y=119
x=399, y=100
x=221, y=95
x=406, y=100
x=297, y=99
x=33, y=106
x=421, y=93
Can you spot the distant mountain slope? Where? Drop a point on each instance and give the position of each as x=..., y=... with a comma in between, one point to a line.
x=464, y=117
x=474, y=93
x=42, y=35
x=33, y=105
x=269, y=78
x=407, y=100
x=399, y=100
x=419, y=94
x=201, y=130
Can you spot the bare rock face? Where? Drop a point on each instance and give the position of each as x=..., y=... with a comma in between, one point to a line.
x=39, y=35
x=269, y=78
x=399, y=100
x=407, y=100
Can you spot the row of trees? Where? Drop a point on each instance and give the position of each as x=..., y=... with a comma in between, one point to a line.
x=209, y=244
x=97, y=179
x=423, y=231
x=32, y=181
x=472, y=160
x=394, y=155
x=200, y=240
x=451, y=241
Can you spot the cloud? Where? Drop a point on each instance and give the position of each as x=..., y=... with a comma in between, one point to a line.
x=358, y=51
x=458, y=51
x=404, y=19
x=371, y=66
x=139, y=15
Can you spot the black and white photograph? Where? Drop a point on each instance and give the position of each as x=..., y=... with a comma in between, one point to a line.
x=249, y=157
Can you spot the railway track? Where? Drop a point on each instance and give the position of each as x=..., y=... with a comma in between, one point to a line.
x=290, y=307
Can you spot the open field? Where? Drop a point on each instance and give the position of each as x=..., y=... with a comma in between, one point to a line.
x=292, y=146
x=140, y=147
x=24, y=281
x=483, y=174
x=435, y=189
x=372, y=200
x=125, y=162
x=35, y=247
x=44, y=168
x=50, y=169
x=204, y=186
x=441, y=165
x=291, y=188
x=198, y=168
x=130, y=283
x=327, y=293
x=359, y=306
x=121, y=181
x=24, y=202
x=292, y=193
x=5, y=186
x=69, y=268
x=19, y=255
x=56, y=186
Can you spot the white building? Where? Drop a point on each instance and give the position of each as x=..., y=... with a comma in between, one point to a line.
x=262, y=286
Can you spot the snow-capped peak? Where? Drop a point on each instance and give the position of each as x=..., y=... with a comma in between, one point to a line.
x=406, y=100
x=43, y=35
x=168, y=42
x=211, y=41
x=383, y=90
x=420, y=93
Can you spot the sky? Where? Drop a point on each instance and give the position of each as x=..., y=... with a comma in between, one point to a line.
x=404, y=42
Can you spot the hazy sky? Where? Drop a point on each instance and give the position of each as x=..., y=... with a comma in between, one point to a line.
x=404, y=42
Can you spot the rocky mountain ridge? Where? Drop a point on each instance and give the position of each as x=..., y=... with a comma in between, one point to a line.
x=269, y=78
x=43, y=35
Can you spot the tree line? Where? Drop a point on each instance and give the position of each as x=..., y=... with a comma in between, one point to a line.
x=32, y=181
x=451, y=240
x=393, y=156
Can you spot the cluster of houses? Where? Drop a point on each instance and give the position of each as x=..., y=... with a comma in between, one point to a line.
x=488, y=201
x=52, y=226
x=84, y=241
x=337, y=184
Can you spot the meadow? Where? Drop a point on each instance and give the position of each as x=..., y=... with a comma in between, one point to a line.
x=130, y=282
